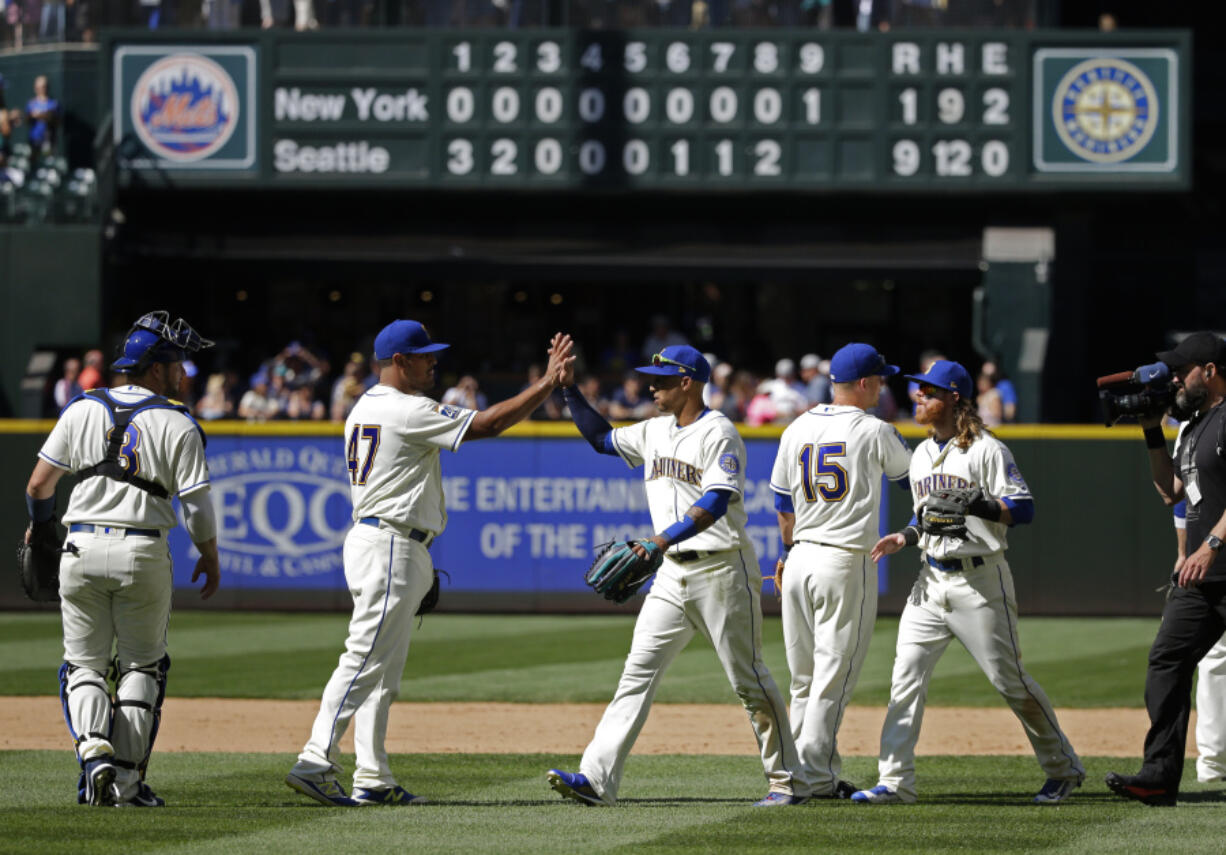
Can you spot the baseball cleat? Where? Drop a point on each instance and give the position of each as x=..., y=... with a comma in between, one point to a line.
x=1131, y=787
x=573, y=785
x=324, y=789
x=1055, y=790
x=780, y=800
x=145, y=797
x=396, y=795
x=878, y=795
x=99, y=776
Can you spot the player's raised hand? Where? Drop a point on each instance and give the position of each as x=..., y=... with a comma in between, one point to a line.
x=888, y=545
x=208, y=567
x=561, y=368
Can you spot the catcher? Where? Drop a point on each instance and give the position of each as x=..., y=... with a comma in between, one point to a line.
x=967, y=492
x=708, y=580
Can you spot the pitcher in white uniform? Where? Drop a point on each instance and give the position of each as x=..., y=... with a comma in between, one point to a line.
x=133, y=449
x=393, y=437
x=827, y=483
x=964, y=591
x=694, y=466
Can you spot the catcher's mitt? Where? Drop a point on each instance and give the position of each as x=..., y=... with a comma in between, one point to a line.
x=430, y=600
x=618, y=571
x=38, y=562
x=945, y=511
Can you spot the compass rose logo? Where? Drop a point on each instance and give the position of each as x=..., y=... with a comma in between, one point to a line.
x=1105, y=110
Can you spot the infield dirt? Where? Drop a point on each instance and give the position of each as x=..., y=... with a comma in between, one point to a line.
x=223, y=724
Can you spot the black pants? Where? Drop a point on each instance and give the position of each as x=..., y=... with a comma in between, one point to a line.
x=1192, y=622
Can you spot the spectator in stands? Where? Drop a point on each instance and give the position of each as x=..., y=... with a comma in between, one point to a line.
x=257, y=405
x=68, y=386
x=43, y=116
x=302, y=406
x=214, y=404
x=740, y=393
x=298, y=366
x=988, y=399
x=817, y=382
x=716, y=392
x=353, y=382
x=1008, y=392
x=590, y=387
x=91, y=375
x=619, y=357
x=466, y=393
x=51, y=26
x=761, y=407
x=787, y=393
x=631, y=402
x=662, y=335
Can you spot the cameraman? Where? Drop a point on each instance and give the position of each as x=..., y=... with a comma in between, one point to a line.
x=1195, y=613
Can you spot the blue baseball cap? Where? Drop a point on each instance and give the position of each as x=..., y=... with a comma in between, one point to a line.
x=679, y=359
x=854, y=361
x=404, y=337
x=949, y=376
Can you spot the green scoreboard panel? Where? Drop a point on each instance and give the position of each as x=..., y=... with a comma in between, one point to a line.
x=711, y=110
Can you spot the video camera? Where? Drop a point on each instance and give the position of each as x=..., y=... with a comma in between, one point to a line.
x=1148, y=391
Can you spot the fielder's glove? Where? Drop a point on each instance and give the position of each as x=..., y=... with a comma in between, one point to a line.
x=945, y=511
x=38, y=562
x=430, y=600
x=618, y=572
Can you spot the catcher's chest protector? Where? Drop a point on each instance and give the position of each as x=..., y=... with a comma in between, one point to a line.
x=121, y=417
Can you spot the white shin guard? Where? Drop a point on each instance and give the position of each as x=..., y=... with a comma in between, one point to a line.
x=138, y=711
x=86, y=699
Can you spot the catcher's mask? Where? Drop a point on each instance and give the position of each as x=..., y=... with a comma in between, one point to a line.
x=153, y=338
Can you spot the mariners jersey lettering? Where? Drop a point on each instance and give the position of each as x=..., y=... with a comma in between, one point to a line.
x=682, y=463
x=987, y=464
x=392, y=444
x=830, y=462
x=161, y=445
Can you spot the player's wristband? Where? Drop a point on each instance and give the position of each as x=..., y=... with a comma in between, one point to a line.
x=40, y=510
x=684, y=528
x=1155, y=438
x=911, y=535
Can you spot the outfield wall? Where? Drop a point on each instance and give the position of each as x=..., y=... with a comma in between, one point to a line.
x=526, y=509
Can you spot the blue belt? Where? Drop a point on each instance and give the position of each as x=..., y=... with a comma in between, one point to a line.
x=107, y=529
x=414, y=534
x=953, y=565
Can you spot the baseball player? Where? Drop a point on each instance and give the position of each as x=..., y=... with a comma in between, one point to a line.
x=964, y=590
x=133, y=450
x=827, y=483
x=709, y=583
x=393, y=437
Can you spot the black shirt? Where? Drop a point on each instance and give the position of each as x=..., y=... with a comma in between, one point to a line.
x=1198, y=460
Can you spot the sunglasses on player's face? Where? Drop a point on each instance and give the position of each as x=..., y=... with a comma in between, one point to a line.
x=930, y=391
x=661, y=359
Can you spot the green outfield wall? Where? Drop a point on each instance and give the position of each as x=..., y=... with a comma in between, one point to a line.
x=1102, y=542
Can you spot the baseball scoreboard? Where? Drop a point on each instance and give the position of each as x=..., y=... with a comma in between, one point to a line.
x=706, y=110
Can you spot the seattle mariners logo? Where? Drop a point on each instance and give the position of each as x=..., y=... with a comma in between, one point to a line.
x=184, y=107
x=1105, y=110
x=729, y=463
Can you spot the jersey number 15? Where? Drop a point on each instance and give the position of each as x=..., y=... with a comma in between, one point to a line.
x=358, y=473
x=817, y=465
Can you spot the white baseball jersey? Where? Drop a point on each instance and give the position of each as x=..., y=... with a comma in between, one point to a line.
x=830, y=461
x=392, y=445
x=682, y=463
x=987, y=464
x=161, y=445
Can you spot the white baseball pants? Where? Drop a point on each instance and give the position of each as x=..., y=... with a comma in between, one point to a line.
x=388, y=575
x=829, y=605
x=720, y=597
x=978, y=607
x=1211, y=715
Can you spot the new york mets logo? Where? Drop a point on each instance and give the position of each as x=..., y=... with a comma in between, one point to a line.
x=1105, y=110
x=185, y=107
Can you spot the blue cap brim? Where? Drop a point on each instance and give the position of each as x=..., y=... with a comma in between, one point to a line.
x=663, y=369
x=924, y=378
x=431, y=348
x=889, y=371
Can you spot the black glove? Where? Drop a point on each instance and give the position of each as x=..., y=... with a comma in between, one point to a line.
x=38, y=562
x=618, y=571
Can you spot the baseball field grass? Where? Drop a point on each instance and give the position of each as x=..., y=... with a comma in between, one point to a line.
x=228, y=802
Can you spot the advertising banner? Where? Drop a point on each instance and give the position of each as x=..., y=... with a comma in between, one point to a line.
x=524, y=515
